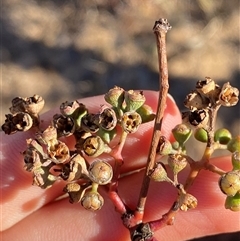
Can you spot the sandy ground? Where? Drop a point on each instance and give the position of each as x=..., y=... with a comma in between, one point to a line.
x=64, y=50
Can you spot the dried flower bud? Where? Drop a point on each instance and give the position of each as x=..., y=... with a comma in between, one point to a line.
x=33, y=105
x=131, y=121
x=164, y=146
x=181, y=133
x=201, y=135
x=92, y=201
x=59, y=152
x=188, y=202
x=65, y=125
x=230, y=183
x=115, y=97
x=236, y=160
x=107, y=118
x=177, y=162
x=158, y=173
x=74, y=191
x=17, y=122
x=67, y=108
x=195, y=101
x=93, y=146
x=229, y=95
x=90, y=123
x=234, y=144
x=233, y=203
x=223, y=136
x=134, y=99
x=197, y=118
x=75, y=169
x=146, y=113
x=100, y=172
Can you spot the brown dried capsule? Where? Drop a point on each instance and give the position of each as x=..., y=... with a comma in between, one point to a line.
x=65, y=125
x=43, y=178
x=107, y=118
x=75, y=169
x=33, y=105
x=100, y=172
x=93, y=146
x=17, y=105
x=74, y=191
x=131, y=121
x=230, y=183
x=195, y=101
x=90, y=123
x=229, y=95
x=92, y=201
x=67, y=108
x=59, y=152
x=197, y=118
x=206, y=87
x=47, y=136
x=17, y=122
x=188, y=202
x=32, y=158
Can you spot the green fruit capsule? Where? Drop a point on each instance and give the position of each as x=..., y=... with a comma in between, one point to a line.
x=223, y=136
x=181, y=133
x=201, y=135
x=230, y=183
x=234, y=144
x=236, y=160
x=233, y=203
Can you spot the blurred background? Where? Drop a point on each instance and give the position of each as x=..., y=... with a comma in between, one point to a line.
x=66, y=50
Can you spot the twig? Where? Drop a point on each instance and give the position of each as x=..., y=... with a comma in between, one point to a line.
x=160, y=29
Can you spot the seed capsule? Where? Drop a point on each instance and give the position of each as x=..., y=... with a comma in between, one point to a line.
x=115, y=97
x=107, y=119
x=67, y=108
x=230, y=183
x=93, y=146
x=131, y=121
x=134, y=99
x=158, y=173
x=195, y=101
x=229, y=95
x=100, y=172
x=33, y=105
x=90, y=123
x=177, y=162
x=164, y=147
x=92, y=201
x=188, y=202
